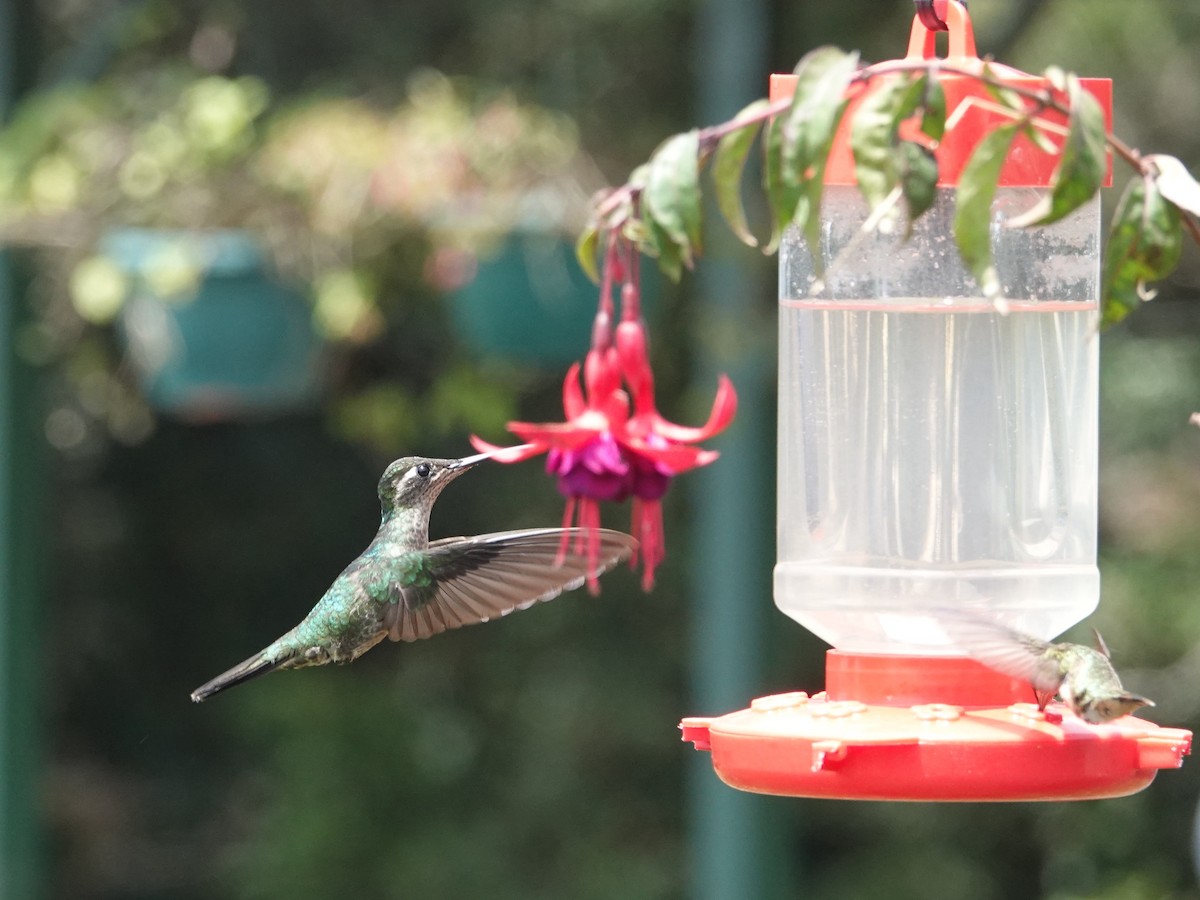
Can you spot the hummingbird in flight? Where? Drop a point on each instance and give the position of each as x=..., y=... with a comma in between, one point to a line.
x=404, y=587
x=1082, y=677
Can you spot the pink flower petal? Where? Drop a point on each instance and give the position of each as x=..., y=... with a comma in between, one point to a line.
x=515, y=454
x=615, y=409
x=589, y=520
x=647, y=527
x=601, y=374
x=573, y=401
x=567, y=521
x=562, y=435
x=675, y=457
x=635, y=364
x=724, y=408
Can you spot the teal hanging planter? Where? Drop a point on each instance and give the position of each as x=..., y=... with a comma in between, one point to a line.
x=208, y=330
x=531, y=302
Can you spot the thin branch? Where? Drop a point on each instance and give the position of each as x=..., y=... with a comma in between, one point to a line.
x=710, y=136
x=1044, y=98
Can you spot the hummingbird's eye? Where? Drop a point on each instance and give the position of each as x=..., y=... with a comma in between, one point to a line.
x=423, y=470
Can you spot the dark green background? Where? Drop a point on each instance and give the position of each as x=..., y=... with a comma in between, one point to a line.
x=538, y=757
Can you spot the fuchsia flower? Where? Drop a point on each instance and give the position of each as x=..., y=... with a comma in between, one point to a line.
x=614, y=444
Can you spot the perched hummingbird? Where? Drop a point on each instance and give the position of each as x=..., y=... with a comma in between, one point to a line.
x=405, y=588
x=1083, y=678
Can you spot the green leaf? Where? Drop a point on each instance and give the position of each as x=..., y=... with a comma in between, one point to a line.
x=1176, y=183
x=1081, y=167
x=973, y=207
x=586, y=247
x=635, y=230
x=728, y=164
x=918, y=178
x=621, y=211
x=1040, y=139
x=808, y=216
x=882, y=160
x=639, y=177
x=873, y=137
x=672, y=193
x=914, y=94
x=781, y=196
x=933, y=116
x=660, y=244
x=817, y=106
x=1143, y=245
x=1002, y=95
x=795, y=174
x=1059, y=79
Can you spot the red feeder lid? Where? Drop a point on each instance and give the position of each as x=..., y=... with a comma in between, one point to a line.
x=894, y=727
x=971, y=112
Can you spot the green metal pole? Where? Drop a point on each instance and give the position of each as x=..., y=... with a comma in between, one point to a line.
x=735, y=839
x=20, y=598
x=21, y=542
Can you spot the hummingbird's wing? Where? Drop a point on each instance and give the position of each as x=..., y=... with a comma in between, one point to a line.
x=464, y=580
x=1004, y=649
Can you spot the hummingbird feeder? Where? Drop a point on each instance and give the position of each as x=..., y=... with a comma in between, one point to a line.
x=936, y=451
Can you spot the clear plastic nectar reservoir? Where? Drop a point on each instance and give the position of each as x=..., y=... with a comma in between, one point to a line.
x=934, y=451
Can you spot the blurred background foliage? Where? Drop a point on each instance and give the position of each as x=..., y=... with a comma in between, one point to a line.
x=537, y=757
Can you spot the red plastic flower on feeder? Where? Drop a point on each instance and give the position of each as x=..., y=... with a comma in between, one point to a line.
x=614, y=443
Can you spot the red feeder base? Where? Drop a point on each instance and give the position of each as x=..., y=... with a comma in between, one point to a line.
x=894, y=727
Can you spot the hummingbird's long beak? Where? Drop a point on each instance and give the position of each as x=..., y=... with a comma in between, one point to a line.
x=468, y=461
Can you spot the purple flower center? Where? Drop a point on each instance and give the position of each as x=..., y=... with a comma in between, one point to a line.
x=604, y=470
x=598, y=470
x=650, y=479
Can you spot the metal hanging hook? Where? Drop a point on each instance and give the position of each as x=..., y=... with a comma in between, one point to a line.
x=929, y=17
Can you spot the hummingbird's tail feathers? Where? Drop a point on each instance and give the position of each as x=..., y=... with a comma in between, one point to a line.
x=256, y=665
x=477, y=579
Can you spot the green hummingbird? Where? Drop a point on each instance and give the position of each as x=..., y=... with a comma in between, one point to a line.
x=1082, y=677
x=404, y=587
